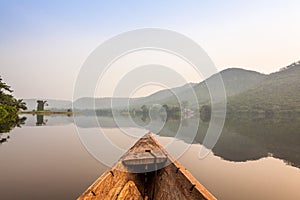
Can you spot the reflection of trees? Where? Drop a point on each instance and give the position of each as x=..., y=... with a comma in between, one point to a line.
x=205, y=113
x=144, y=118
x=3, y=139
x=245, y=139
x=7, y=125
x=104, y=112
x=40, y=120
x=251, y=139
x=173, y=112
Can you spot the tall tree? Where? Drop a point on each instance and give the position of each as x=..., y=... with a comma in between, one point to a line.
x=9, y=107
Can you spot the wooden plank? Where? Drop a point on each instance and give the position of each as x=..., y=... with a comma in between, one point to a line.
x=144, y=158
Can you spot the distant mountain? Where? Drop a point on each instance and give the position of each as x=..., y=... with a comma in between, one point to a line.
x=235, y=81
x=89, y=103
x=52, y=104
x=280, y=91
x=162, y=95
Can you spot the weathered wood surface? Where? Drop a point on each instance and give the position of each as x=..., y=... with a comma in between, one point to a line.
x=144, y=158
x=130, y=191
x=172, y=181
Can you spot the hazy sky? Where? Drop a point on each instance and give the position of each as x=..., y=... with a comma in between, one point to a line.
x=44, y=43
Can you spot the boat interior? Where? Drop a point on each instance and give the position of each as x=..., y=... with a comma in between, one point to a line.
x=146, y=171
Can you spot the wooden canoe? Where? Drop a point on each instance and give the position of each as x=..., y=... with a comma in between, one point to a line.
x=165, y=178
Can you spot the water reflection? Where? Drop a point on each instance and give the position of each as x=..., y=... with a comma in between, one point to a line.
x=242, y=138
x=40, y=120
x=250, y=139
x=7, y=126
x=4, y=138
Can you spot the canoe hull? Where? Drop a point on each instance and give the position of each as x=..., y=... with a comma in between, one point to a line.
x=167, y=179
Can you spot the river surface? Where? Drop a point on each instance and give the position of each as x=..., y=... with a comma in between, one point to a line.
x=51, y=157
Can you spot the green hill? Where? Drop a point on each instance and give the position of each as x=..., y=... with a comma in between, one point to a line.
x=162, y=96
x=279, y=92
x=235, y=81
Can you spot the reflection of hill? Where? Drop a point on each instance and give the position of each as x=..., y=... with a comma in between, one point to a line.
x=248, y=139
x=278, y=137
x=231, y=145
x=234, y=145
x=49, y=120
x=105, y=122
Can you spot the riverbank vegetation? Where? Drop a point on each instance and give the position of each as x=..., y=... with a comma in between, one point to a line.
x=9, y=108
x=48, y=112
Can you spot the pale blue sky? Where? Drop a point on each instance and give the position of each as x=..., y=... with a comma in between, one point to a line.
x=44, y=43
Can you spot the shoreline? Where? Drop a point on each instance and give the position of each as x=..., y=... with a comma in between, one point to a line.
x=47, y=112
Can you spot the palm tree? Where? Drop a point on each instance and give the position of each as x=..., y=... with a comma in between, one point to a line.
x=20, y=104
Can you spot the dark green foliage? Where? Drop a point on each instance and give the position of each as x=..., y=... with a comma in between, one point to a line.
x=9, y=108
x=235, y=81
x=279, y=93
x=166, y=108
x=145, y=110
x=172, y=112
x=40, y=120
x=205, y=113
x=104, y=112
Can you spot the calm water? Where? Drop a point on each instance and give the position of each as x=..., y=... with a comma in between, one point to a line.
x=253, y=159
